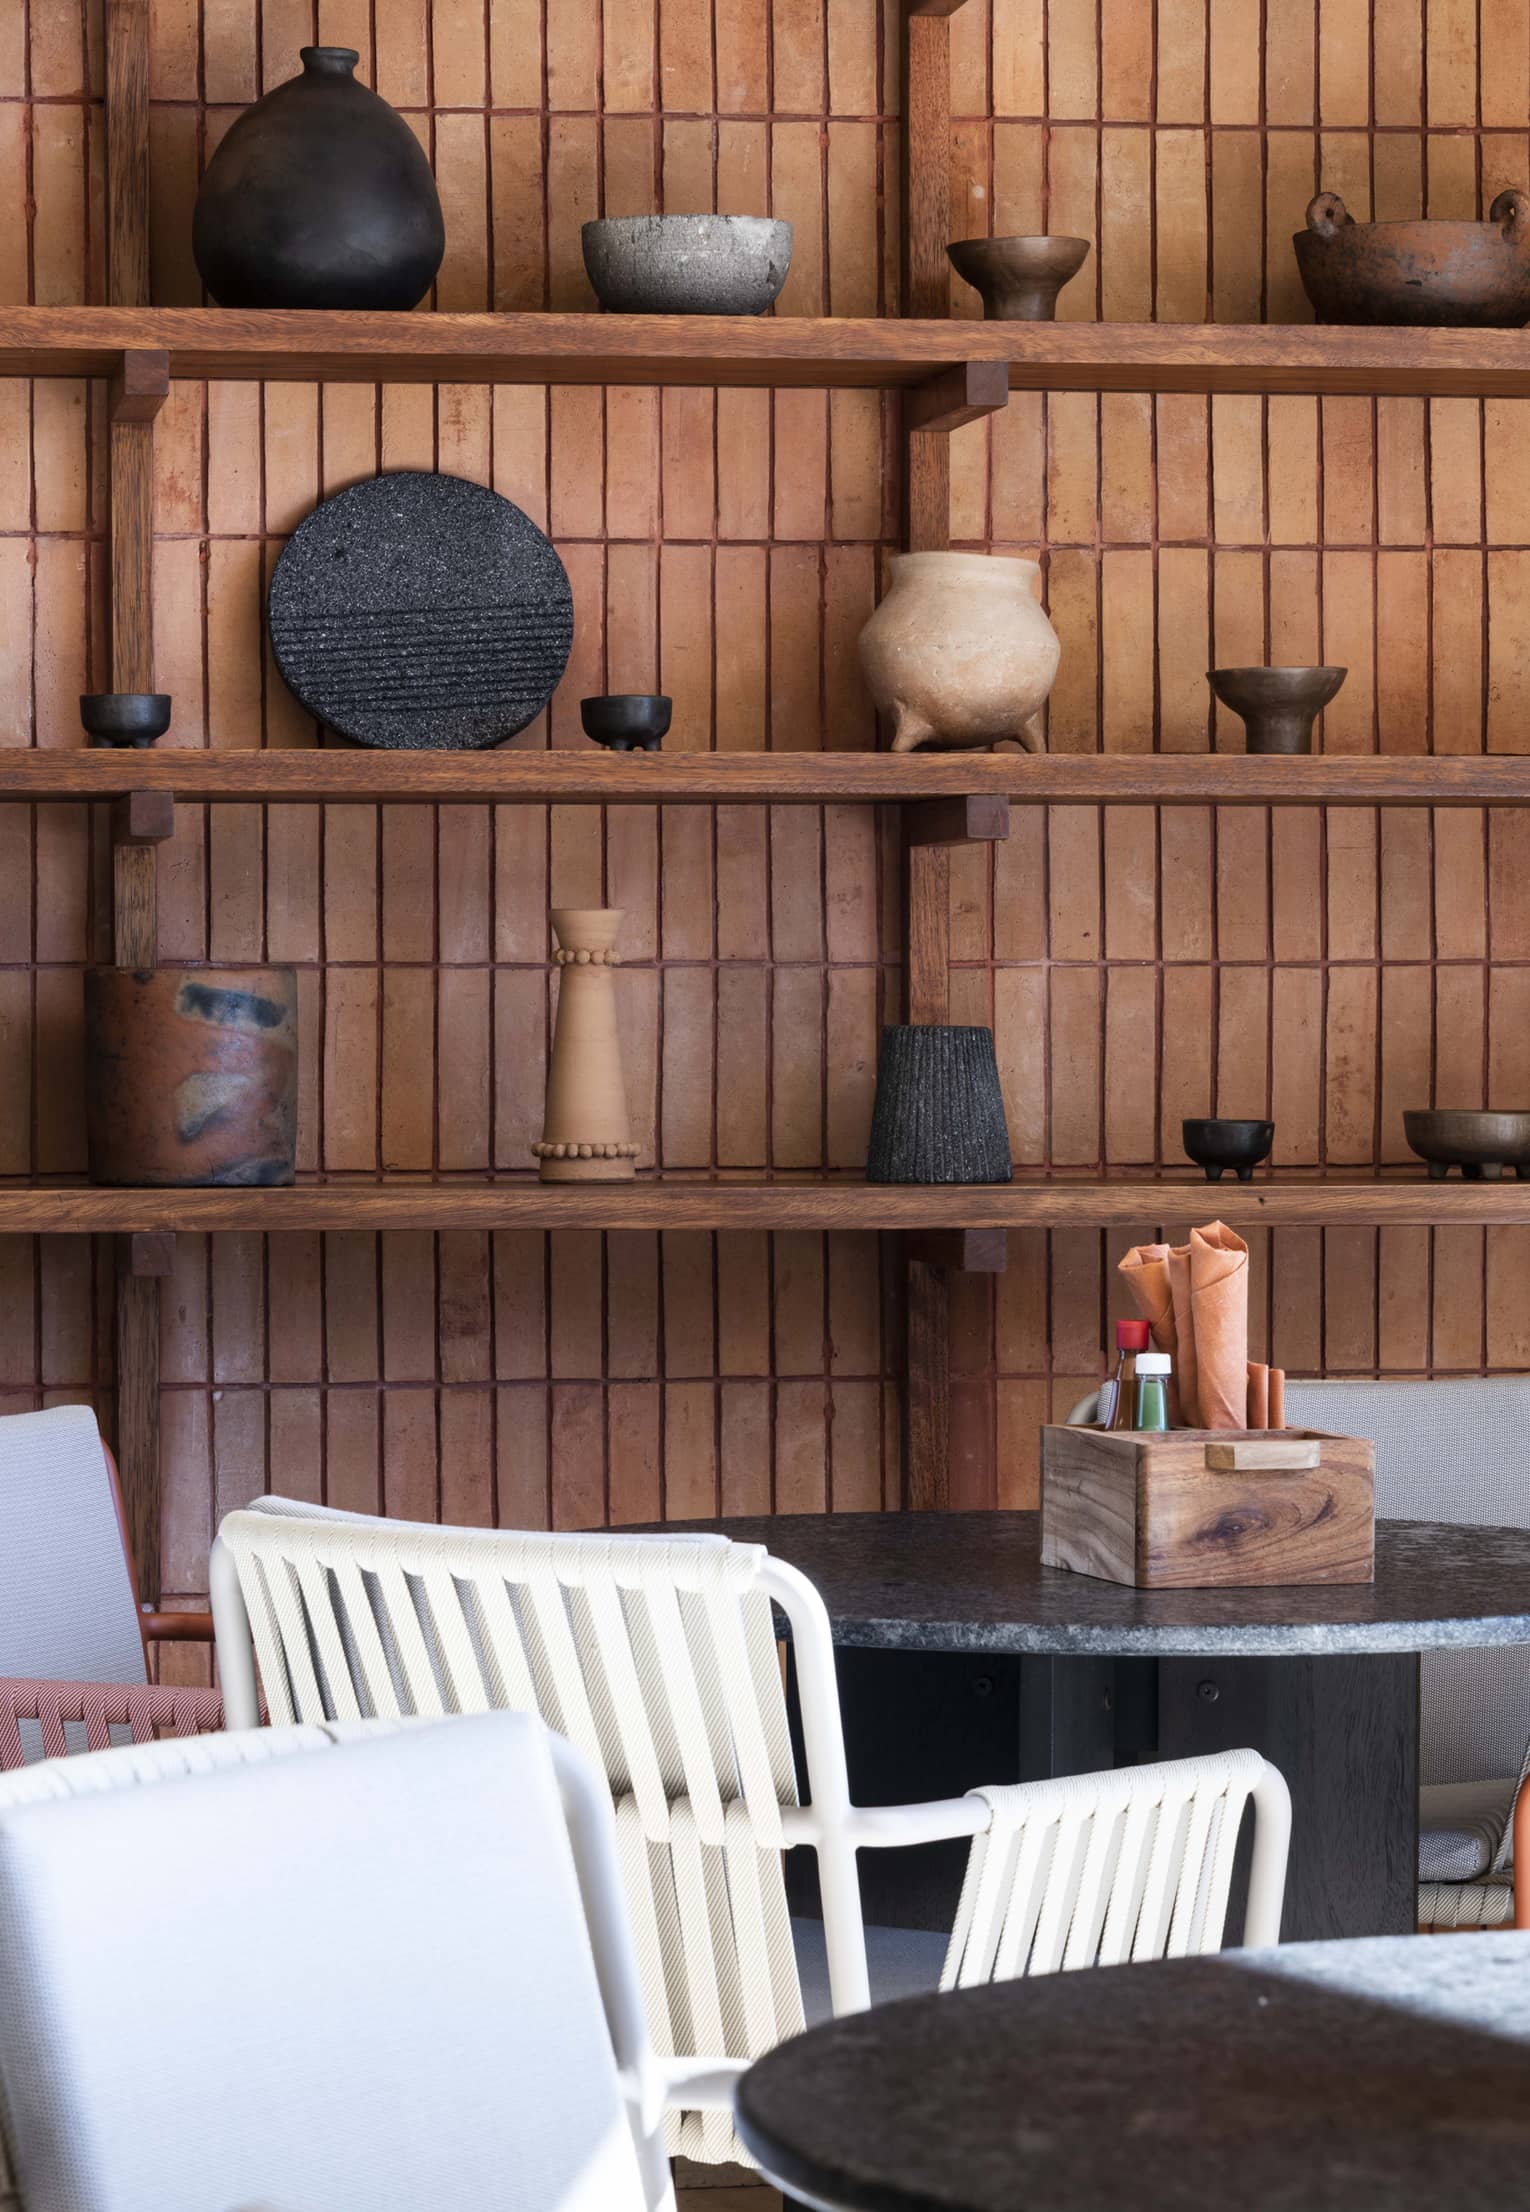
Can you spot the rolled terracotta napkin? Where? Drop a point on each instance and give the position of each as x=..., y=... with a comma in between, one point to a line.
x=1186, y=1365
x=1277, y=1397
x=1145, y=1272
x=1214, y=1265
x=1258, y=1395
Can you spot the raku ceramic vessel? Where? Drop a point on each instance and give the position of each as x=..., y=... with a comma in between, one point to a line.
x=1445, y=275
x=959, y=653
x=1018, y=279
x=319, y=196
x=586, y=1134
x=191, y=1075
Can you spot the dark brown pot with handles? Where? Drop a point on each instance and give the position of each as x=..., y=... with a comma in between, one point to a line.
x=1444, y=275
x=191, y=1075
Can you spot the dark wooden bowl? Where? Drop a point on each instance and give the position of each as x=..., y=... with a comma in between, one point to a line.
x=1018, y=279
x=1481, y=1145
x=1278, y=706
x=1218, y=1145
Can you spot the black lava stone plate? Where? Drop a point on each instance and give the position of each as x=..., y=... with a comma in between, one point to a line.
x=421, y=612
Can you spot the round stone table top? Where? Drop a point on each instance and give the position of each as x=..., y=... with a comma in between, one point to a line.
x=1384, y=2076
x=974, y=1582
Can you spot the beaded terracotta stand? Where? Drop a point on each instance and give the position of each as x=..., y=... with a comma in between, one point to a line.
x=586, y=1133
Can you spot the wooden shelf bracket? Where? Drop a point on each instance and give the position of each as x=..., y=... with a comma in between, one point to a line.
x=960, y=394
x=972, y=1251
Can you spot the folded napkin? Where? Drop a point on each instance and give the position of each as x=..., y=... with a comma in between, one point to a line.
x=1209, y=1278
x=1194, y=1298
x=1145, y=1271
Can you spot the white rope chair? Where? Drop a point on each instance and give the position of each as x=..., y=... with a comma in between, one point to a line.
x=657, y=1656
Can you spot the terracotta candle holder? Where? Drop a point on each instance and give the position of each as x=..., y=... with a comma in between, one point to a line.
x=586, y=1135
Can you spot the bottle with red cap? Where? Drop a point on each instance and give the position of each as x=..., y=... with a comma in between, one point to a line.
x=1118, y=1397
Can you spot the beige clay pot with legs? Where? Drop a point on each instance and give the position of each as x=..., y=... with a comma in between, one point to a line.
x=959, y=652
x=586, y=1133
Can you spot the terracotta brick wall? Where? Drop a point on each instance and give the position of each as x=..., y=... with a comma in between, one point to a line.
x=1136, y=967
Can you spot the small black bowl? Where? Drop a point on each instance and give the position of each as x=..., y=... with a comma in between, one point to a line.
x=1240, y=1145
x=125, y=717
x=624, y=720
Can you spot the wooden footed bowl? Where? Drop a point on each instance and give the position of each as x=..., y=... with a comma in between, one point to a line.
x=1445, y=275
x=1277, y=706
x=1018, y=279
x=1481, y=1145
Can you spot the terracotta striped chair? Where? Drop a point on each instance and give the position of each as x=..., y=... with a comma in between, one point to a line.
x=74, y=1672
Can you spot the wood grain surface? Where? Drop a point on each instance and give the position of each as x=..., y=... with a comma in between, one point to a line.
x=961, y=795
x=1163, y=1513
x=816, y=1203
x=836, y=352
x=1242, y=937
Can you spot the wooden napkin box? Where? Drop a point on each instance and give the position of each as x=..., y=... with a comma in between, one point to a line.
x=1197, y=1509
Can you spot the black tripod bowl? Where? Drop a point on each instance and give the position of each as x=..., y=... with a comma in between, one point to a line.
x=626, y=720
x=125, y=717
x=1218, y=1145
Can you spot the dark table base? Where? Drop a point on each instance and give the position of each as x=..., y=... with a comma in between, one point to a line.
x=1343, y=1732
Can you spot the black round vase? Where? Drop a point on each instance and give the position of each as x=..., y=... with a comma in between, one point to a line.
x=319, y=196
x=939, y=1112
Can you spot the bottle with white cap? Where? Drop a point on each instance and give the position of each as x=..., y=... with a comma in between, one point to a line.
x=1152, y=1390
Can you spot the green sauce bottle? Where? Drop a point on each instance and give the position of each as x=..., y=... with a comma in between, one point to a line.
x=1152, y=1390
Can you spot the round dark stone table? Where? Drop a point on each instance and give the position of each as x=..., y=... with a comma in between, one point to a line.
x=1387, y=2076
x=962, y=1660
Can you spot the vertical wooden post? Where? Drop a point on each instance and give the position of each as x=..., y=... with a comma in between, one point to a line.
x=127, y=153
x=926, y=187
x=926, y=230
x=137, y=394
x=141, y=1263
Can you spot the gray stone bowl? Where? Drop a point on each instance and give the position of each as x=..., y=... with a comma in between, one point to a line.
x=687, y=264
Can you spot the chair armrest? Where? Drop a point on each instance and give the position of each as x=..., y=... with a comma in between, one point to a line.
x=701, y=2084
x=177, y=1628
x=146, y=1708
x=1521, y=1827
x=942, y=1820
x=890, y=1827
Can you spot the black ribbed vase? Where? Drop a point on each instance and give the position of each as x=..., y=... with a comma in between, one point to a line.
x=939, y=1113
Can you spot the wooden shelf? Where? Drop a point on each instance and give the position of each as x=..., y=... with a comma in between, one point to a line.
x=586, y=774
x=750, y=350
x=823, y=1203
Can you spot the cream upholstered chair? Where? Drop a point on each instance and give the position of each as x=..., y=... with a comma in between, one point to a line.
x=401, y=1955
x=1451, y=1451
x=657, y=1657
